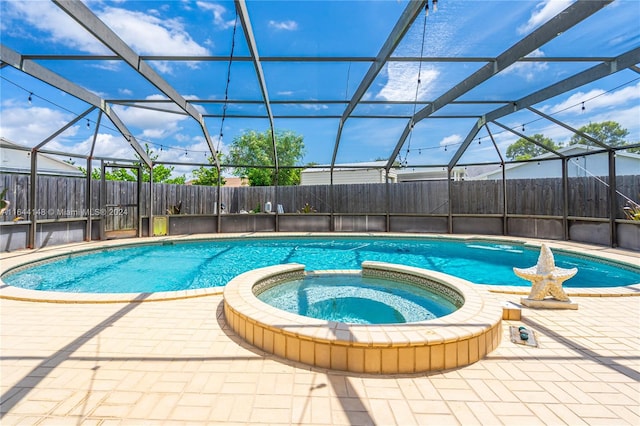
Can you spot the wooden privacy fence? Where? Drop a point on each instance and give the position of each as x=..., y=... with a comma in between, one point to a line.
x=64, y=197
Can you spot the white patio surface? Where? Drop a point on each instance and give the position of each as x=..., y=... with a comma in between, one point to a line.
x=177, y=362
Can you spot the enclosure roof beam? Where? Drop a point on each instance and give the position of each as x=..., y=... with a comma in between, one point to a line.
x=594, y=73
x=403, y=24
x=88, y=20
x=43, y=74
x=241, y=7
x=529, y=139
x=566, y=126
x=563, y=21
x=223, y=58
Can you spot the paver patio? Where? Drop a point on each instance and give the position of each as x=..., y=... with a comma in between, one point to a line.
x=177, y=362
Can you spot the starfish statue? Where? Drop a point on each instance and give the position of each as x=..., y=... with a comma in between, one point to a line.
x=546, y=278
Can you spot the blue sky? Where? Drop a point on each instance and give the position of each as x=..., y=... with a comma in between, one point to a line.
x=312, y=29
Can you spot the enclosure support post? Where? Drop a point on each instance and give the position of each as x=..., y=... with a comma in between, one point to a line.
x=565, y=198
x=87, y=200
x=613, y=235
x=31, y=243
x=139, y=201
x=332, y=226
x=505, y=213
x=150, y=206
x=449, y=209
x=218, y=202
x=103, y=200
x=277, y=200
x=387, y=226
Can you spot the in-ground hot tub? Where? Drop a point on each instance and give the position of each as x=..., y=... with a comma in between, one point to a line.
x=455, y=340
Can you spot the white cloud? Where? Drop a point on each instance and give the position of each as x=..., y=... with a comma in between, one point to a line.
x=150, y=35
x=527, y=70
x=314, y=107
x=402, y=79
x=218, y=12
x=596, y=99
x=144, y=33
x=153, y=124
x=542, y=13
x=61, y=28
x=451, y=140
x=284, y=25
x=30, y=126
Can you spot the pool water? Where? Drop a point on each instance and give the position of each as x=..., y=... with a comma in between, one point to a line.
x=201, y=264
x=351, y=298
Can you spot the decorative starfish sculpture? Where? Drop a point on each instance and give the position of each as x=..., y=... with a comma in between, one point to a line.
x=546, y=278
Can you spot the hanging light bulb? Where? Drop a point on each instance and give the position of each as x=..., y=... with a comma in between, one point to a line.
x=161, y=147
x=523, y=127
x=88, y=124
x=583, y=108
x=435, y=5
x=30, y=98
x=445, y=148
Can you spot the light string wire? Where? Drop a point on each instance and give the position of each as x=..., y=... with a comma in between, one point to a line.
x=226, y=89
x=415, y=102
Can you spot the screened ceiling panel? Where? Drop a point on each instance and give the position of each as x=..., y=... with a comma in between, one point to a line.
x=187, y=77
x=398, y=80
x=310, y=80
x=323, y=28
x=379, y=139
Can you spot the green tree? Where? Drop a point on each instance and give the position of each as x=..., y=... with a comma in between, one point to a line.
x=608, y=132
x=161, y=173
x=208, y=176
x=256, y=149
x=523, y=149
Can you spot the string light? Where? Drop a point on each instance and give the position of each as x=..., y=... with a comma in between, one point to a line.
x=88, y=124
x=583, y=107
x=523, y=127
x=30, y=98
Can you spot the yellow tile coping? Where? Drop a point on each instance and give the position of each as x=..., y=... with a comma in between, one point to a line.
x=448, y=342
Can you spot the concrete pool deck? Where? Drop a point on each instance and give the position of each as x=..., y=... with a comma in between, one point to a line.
x=177, y=362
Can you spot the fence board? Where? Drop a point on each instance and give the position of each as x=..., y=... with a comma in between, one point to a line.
x=64, y=197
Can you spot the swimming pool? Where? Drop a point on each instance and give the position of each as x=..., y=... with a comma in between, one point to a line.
x=187, y=265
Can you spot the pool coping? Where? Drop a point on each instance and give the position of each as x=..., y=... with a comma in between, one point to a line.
x=12, y=260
